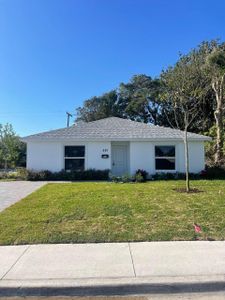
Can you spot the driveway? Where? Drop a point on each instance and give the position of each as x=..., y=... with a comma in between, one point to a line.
x=13, y=191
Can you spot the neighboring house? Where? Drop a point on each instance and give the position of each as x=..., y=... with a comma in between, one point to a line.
x=121, y=145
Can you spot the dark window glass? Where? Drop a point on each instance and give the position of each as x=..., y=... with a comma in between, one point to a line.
x=165, y=164
x=168, y=151
x=74, y=151
x=74, y=164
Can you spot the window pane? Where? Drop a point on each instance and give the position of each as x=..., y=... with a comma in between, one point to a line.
x=74, y=164
x=165, y=164
x=165, y=151
x=74, y=151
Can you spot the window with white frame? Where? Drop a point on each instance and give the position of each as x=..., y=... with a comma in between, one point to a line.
x=74, y=158
x=165, y=158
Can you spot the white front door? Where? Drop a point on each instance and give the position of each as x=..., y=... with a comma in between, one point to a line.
x=119, y=160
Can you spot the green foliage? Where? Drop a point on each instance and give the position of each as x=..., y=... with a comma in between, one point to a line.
x=210, y=147
x=214, y=172
x=216, y=59
x=126, y=178
x=139, y=178
x=95, y=175
x=209, y=173
x=21, y=173
x=184, y=89
x=90, y=174
x=115, y=179
x=8, y=176
x=21, y=160
x=8, y=146
x=171, y=176
x=12, y=150
x=143, y=173
x=137, y=100
x=100, y=107
x=122, y=179
x=45, y=175
x=141, y=100
x=17, y=174
x=215, y=68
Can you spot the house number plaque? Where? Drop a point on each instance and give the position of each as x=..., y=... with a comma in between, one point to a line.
x=105, y=155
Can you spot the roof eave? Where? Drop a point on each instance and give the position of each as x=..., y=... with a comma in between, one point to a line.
x=35, y=139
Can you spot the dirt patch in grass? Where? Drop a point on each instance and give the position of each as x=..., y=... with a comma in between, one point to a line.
x=192, y=191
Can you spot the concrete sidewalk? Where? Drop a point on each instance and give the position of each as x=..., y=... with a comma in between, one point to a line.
x=98, y=267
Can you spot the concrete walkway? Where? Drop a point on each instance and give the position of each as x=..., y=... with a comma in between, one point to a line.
x=132, y=267
x=13, y=191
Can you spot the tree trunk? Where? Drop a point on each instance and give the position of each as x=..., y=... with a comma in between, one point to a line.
x=218, y=89
x=186, y=160
x=5, y=165
x=219, y=131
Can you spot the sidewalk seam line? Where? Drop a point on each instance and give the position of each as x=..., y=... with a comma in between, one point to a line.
x=15, y=262
x=132, y=260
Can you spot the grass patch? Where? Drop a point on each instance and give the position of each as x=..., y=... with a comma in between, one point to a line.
x=6, y=180
x=109, y=212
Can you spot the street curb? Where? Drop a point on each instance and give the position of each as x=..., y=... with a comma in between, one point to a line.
x=123, y=287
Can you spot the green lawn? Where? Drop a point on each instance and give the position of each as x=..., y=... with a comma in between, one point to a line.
x=110, y=212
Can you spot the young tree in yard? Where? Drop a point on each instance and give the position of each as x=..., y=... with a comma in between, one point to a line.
x=216, y=73
x=9, y=146
x=184, y=87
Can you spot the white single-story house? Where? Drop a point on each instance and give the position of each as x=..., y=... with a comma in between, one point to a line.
x=121, y=145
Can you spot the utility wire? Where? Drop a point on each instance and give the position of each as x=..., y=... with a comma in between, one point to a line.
x=30, y=113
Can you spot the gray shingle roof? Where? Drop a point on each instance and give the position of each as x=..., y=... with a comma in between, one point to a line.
x=112, y=129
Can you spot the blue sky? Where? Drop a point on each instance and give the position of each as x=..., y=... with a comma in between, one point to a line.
x=54, y=54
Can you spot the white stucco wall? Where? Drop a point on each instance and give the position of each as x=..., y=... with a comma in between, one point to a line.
x=50, y=155
x=94, y=153
x=142, y=156
x=197, y=157
x=45, y=156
